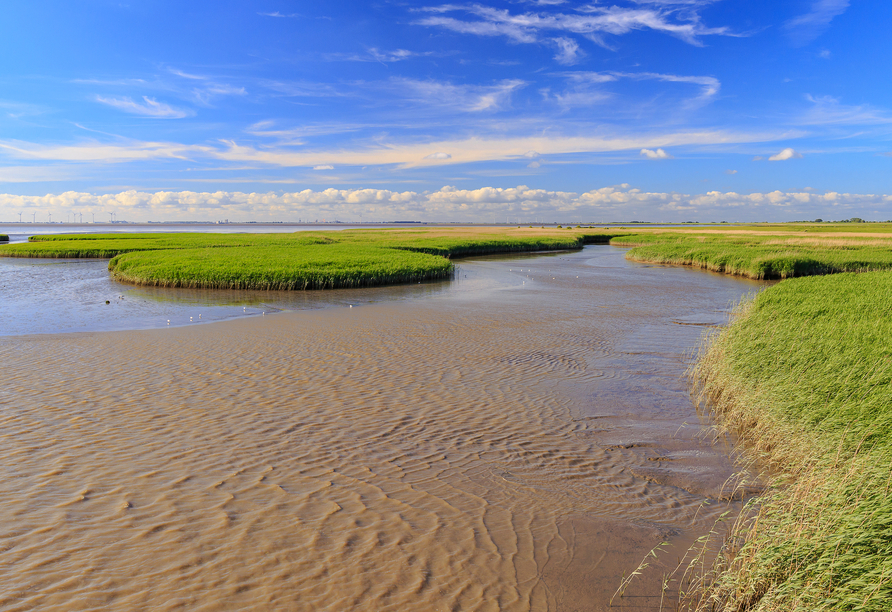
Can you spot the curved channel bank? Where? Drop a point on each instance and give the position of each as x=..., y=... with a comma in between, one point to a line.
x=804, y=377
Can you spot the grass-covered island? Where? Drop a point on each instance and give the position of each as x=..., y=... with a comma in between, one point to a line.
x=301, y=260
x=4, y=238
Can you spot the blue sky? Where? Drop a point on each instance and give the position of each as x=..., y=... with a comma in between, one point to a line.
x=663, y=110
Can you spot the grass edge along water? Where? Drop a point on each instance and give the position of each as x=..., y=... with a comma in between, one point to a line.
x=802, y=377
x=303, y=260
x=764, y=255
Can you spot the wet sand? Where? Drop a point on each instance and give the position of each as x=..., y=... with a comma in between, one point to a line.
x=517, y=446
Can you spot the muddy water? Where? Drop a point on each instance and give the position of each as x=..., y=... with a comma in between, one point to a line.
x=518, y=443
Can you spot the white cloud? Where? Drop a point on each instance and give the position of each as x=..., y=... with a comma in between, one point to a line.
x=825, y=54
x=786, y=154
x=151, y=107
x=827, y=110
x=377, y=55
x=325, y=167
x=732, y=172
x=568, y=51
x=465, y=98
x=531, y=154
x=534, y=164
x=383, y=151
x=438, y=155
x=807, y=27
x=587, y=88
x=590, y=21
x=613, y=203
x=34, y=174
x=205, y=88
x=103, y=152
x=658, y=154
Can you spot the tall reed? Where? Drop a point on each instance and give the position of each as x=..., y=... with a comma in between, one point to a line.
x=803, y=378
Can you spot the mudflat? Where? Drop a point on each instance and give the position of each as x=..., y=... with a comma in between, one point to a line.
x=519, y=448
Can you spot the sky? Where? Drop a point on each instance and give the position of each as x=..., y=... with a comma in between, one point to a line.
x=489, y=111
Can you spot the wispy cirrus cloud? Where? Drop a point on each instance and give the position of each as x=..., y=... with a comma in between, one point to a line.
x=204, y=88
x=827, y=110
x=465, y=98
x=382, y=56
x=384, y=152
x=297, y=135
x=808, y=26
x=587, y=86
x=280, y=15
x=150, y=107
x=102, y=152
x=590, y=21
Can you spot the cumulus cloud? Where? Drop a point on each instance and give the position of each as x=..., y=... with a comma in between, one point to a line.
x=438, y=155
x=731, y=172
x=325, y=167
x=658, y=154
x=449, y=203
x=808, y=26
x=150, y=107
x=786, y=154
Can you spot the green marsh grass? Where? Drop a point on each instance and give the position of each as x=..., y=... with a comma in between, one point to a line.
x=761, y=255
x=803, y=379
x=302, y=260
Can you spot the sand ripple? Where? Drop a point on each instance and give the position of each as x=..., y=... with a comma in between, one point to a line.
x=514, y=451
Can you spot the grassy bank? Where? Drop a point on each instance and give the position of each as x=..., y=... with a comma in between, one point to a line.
x=4, y=238
x=767, y=253
x=302, y=260
x=803, y=377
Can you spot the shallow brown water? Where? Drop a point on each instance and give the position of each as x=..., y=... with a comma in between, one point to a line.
x=518, y=444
